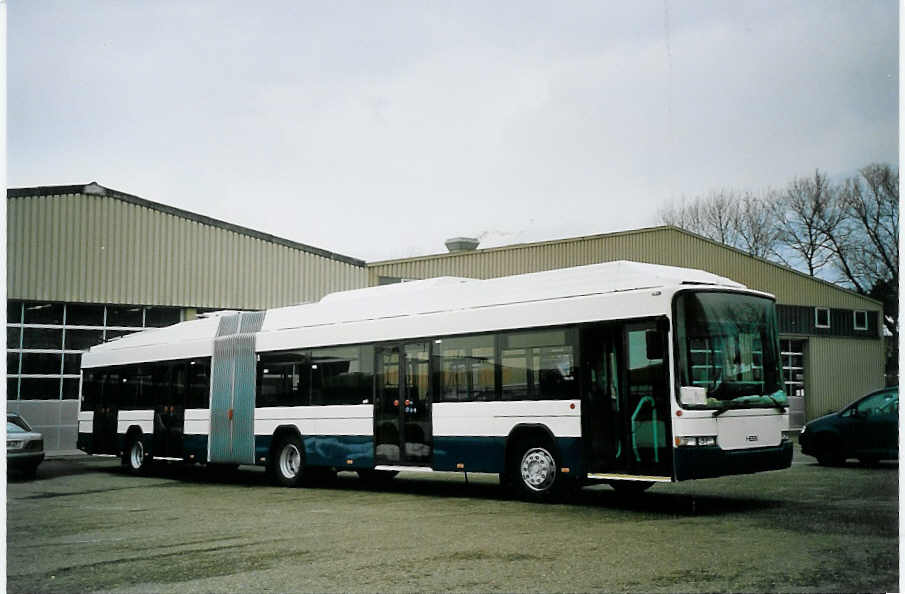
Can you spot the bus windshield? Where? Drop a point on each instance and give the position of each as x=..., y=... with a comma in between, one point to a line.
x=729, y=346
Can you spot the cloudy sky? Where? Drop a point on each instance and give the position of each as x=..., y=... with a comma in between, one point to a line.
x=379, y=129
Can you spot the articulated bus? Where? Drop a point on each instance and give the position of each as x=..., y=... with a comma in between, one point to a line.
x=623, y=373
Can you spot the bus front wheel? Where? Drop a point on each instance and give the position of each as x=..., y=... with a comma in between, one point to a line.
x=287, y=461
x=533, y=472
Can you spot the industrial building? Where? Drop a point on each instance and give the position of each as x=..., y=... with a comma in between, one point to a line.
x=86, y=264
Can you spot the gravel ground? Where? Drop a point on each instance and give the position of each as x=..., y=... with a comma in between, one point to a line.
x=84, y=525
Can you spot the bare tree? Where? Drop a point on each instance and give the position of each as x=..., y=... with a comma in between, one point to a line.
x=866, y=251
x=756, y=231
x=801, y=213
x=850, y=229
x=714, y=216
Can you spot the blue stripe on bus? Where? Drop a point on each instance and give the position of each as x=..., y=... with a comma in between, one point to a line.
x=476, y=454
x=195, y=445
x=488, y=454
x=327, y=450
x=336, y=450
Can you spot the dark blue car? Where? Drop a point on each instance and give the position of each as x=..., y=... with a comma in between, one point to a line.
x=867, y=429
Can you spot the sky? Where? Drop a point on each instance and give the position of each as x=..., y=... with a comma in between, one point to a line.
x=380, y=129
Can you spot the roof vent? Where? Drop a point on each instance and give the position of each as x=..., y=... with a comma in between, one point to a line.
x=95, y=188
x=462, y=244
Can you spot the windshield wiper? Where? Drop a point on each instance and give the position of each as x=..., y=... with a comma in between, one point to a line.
x=722, y=409
x=780, y=406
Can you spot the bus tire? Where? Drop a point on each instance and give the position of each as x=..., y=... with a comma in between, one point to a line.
x=533, y=472
x=134, y=459
x=287, y=461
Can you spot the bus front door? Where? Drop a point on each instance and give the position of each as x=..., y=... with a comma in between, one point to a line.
x=402, y=409
x=646, y=406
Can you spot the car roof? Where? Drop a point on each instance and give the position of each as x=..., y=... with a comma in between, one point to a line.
x=875, y=392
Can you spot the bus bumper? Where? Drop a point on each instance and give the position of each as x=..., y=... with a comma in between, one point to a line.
x=708, y=462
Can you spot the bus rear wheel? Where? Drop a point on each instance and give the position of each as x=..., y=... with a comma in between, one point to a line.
x=134, y=459
x=287, y=461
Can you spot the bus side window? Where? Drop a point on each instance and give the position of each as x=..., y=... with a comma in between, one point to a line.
x=198, y=383
x=539, y=365
x=283, y=379
x=178, y=382
x=152, y=385
x=128, y=389
x=336, y=376
x=91, y=389
x=464, y=369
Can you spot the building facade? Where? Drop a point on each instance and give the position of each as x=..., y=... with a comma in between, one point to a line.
x=86, y=264
x=831, y=338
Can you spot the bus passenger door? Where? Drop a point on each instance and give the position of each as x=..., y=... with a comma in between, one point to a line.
x=106, y=414
x=168, y=384
x=601, y=407
x=646, y=400
x=402, y=408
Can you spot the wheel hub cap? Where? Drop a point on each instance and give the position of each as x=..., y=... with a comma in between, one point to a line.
x=538, y=469
x=290, y=461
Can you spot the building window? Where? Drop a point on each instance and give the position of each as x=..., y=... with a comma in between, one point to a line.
x=45, y=342
x=822, y=317
x=84, y=315
x=44, y=313
x=860, y=320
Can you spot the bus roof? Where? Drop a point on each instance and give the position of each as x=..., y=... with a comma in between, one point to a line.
x=452, y=293
x=437, y=296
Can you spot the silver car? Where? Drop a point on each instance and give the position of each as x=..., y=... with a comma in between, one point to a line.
x=24, y=447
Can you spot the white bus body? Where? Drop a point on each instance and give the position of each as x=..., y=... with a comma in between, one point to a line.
x=565, y=376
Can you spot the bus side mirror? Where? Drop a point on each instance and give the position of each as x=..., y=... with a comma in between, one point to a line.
x=692, y=395
x=654, y=345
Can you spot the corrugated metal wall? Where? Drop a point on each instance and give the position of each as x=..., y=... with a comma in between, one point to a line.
x=100, y=249
x=838, y=370
x=660, y=245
